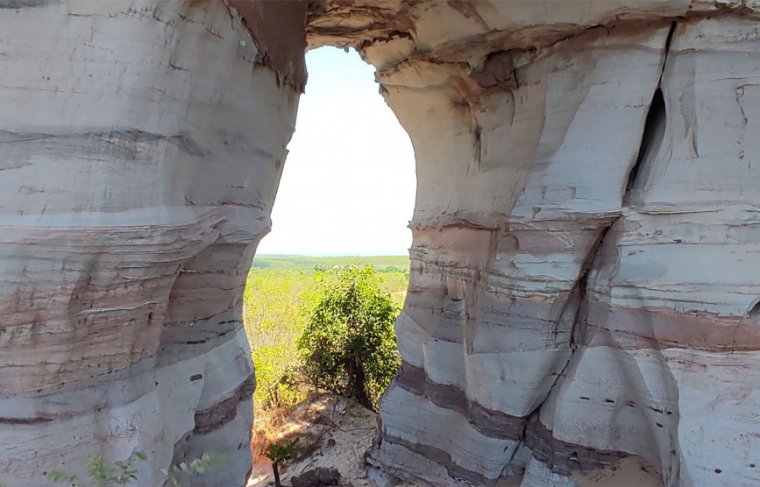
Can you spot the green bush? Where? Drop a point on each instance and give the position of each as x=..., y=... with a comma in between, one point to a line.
x=181, y=474
x=101, y=474
x=279, y=453
x=348, y=344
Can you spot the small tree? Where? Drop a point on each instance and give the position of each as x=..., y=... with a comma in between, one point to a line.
x=348, y=344
x=279, y=453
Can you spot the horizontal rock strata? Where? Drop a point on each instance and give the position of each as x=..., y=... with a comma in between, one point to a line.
x=583, y=289
x=581, y=240
x=141, y=145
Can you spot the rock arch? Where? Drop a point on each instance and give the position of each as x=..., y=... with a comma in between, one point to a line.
x=584, y=237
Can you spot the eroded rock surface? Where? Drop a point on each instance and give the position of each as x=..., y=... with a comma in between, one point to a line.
x=584, y=282
x=141, y=144
x=583, y=279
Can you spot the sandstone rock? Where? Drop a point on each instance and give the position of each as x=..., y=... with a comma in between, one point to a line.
x=318, y=477
x=572, y=223
x=583, y=285
x=140, y=149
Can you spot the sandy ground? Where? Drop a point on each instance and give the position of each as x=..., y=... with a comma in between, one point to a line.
x=335, y=432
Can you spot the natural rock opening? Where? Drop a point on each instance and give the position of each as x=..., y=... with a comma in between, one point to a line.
x=348, y=187
x=142, y=138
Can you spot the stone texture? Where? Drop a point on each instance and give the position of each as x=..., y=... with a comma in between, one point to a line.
x=583, y=284
x=320, y=476
x=141, y=144
x=583, y=287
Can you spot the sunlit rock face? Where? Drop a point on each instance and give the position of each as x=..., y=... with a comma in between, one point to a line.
x=584, y=271
x=141, y=144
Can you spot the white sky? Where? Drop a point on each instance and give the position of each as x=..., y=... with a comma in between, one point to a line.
x=348, y=184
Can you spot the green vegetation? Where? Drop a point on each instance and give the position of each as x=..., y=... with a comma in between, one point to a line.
x=348, y=345
x=101, y=474
x=181, y=474
x=280, y=294
x=276, y=302
x=279, y=453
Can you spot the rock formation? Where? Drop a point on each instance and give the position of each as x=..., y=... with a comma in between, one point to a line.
x=584, y=270
x=141, y=144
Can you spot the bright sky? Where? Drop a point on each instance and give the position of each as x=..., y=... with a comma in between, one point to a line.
x=348, y=184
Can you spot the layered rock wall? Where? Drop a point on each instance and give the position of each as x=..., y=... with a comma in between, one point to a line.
x=583, y=285
x=141, y=144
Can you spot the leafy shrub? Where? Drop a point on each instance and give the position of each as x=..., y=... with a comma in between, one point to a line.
x=278, y=453
x=179, y=474
x=101, y=474
x=281, y=452
x=124, y=472
x=348, y=345
x=278, y=301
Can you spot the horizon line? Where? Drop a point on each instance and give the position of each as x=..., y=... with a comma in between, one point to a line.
x=267, y=254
